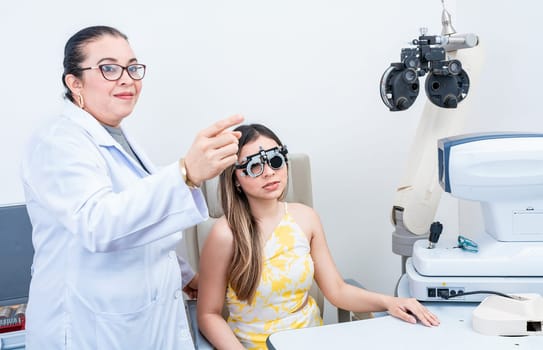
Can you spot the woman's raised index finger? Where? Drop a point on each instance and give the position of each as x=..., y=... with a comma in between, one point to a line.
x=221, y=125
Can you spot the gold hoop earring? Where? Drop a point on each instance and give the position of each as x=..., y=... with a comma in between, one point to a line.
x=81, y=101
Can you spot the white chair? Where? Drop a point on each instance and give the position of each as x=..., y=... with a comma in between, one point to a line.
x=299, y=190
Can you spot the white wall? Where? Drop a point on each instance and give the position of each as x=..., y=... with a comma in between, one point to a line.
x=308, y=69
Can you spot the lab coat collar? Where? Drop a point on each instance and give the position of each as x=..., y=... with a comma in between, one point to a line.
x=102, y=136
x=89, y=123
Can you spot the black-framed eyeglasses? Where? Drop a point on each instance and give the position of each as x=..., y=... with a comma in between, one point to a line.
x=253, y=165
x=113, y=72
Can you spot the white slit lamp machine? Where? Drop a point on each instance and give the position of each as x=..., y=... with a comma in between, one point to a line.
x=502, y=266
x=504, y=172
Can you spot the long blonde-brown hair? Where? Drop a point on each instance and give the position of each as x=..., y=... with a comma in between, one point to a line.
x=246, y=267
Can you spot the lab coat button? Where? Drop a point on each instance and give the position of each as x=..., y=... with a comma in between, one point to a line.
x=172, y=254
x=178, y=294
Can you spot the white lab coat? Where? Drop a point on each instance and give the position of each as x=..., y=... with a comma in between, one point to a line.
x=105, y=273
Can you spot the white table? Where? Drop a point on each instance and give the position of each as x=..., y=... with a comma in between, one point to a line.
x=454, y=333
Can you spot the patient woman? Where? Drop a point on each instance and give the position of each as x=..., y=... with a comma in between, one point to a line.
x=264, y=253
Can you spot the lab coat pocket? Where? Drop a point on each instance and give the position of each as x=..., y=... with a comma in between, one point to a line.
x=88, y=328
x=126, y=331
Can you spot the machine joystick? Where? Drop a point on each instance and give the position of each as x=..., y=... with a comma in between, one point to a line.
x=435, y=231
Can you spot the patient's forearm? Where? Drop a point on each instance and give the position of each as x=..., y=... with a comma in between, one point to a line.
x=217, y=331
x=359, y=300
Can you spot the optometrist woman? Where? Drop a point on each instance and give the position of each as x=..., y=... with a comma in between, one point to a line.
x=106, y=221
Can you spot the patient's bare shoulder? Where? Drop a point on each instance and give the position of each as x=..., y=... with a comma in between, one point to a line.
x=220, y=232
x=306, y=217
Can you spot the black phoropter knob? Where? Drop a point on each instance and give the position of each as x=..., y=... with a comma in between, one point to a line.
x=402, y=103
x=451, y=101
x=454, y=67
x=435, y=231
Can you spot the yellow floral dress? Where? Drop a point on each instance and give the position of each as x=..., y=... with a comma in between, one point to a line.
x=287, y=275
